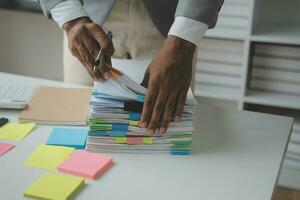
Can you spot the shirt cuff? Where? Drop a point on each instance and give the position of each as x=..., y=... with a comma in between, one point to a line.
x=67, y=11
x=188, y=29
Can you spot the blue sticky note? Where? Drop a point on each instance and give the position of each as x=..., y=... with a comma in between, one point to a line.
x=75, y=138
x=135, y=116
x=140, y=98
x=119, y=127
x=116, y=133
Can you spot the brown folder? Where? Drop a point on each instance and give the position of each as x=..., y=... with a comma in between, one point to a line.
x=58, y=106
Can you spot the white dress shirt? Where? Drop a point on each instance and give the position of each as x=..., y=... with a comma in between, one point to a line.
x=182, y=27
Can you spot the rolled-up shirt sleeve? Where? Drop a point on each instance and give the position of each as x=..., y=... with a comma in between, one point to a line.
x=67, y=11
x=188, y=29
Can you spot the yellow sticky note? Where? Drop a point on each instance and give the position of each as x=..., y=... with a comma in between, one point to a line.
x=15, y=131
x=54, y=186
x=120, y=140
x=148, y=140
x=48, y=157
x=133, y=123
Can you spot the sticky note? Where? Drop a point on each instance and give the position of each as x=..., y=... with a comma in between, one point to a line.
x=120, y=140
x=54, y=186
x=147, y=140
x=70, y=137
x=133, y=123
x=48, y=157
x=15, y=131
x=86, y=164
x=134, y=140
x=116, y=133
x=5, y=147
x=135, y=116
x=119, y=127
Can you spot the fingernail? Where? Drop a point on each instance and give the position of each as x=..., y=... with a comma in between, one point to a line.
x=162, y=130
x=144, y=125
x=107, y=75
x=150, y=132
x=177, y=119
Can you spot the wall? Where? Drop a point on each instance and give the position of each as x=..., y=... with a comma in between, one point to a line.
x=30, y=44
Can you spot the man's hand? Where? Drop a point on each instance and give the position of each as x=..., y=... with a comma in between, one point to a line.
x=168, y=78
x=85, y=39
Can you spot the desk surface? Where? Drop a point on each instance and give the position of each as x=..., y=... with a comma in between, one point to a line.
x=236, y=155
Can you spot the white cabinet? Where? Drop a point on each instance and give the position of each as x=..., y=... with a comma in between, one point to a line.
x=252, y=58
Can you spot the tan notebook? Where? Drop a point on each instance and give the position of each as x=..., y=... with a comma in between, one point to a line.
x=58, y=106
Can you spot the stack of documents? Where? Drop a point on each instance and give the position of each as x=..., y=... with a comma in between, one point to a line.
x=115, y=111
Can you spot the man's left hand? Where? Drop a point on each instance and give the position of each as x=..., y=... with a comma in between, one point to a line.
x=168, y=79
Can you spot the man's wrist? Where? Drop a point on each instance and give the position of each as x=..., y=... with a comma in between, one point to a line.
x=177, y=43
x=70, y=24
x=188, y=29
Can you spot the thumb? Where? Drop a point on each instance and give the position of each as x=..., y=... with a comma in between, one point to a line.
x=145, y=81
x=104, y=71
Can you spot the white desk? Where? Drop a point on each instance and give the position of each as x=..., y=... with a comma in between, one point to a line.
x=236, y=155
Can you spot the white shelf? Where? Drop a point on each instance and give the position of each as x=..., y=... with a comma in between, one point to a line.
x=253, y=56
x=272, y=99
x=222, y=33
x=289, y=178
x=217, y=92
x=288, y=34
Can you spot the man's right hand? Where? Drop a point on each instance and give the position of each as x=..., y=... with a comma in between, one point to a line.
x=85, y=39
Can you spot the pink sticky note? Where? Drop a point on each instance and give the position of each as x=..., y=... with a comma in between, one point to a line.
x=86, y=164
x=134, y=140
x=5, y=147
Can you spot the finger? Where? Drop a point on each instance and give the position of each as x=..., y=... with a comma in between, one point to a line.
x=102, y=39
x=91, y=44
x=157, y=112
x=107, y=60
x=149, y=102
x=169, y=109
x=77, y=55
x=103, y=73
x=145, y=79
x=104, y=69
x=86, y=58
x=180, y=105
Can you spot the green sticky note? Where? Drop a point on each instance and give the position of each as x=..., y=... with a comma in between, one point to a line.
x=15, y=131
x=54, y=186
x=48, y=156
x=147, y=140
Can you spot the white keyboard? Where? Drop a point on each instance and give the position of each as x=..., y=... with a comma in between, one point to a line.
x=15, y=96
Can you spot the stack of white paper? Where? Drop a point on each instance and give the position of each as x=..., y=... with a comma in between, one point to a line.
x=115, y=111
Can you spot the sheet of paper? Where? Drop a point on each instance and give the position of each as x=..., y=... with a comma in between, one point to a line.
x=86, y=164
x=15, y=131
x=58, y=106
x=48, y=157
x=5, y=147
x=70, y=137
x=54, y=186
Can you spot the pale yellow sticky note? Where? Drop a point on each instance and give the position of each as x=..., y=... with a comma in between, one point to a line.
x=54, y=186
x=15, y=131
x=48, y=157
x=148, y=140
x=120, y=140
